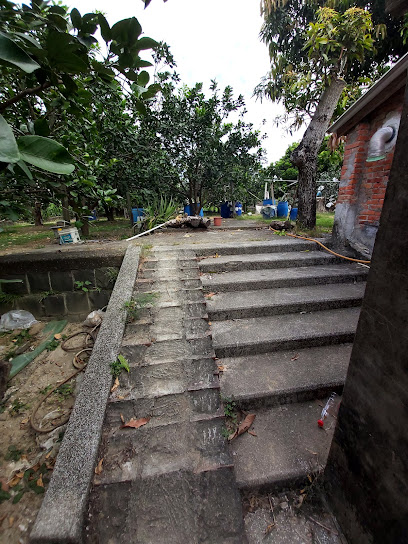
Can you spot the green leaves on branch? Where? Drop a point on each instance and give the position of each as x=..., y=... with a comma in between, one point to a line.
x=36, y=150
x=8, y=145
x=45, y=154
x=11, y=53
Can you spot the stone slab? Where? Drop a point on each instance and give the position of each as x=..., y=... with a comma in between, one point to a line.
x=261, y=334
x=282, y=277
x=60, y=518
x=179, y=507
x=261, y=302
x=285, y=376
x=262, y=261
x=289, y=445
x=131, y=454
x=277, y=244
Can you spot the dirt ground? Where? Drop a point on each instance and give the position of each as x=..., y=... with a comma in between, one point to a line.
x=27, y=457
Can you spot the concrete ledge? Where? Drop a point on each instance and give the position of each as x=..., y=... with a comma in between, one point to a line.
x=60, y=518
x=59, y=258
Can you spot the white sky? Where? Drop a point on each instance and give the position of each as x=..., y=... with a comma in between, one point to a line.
x=211, y=39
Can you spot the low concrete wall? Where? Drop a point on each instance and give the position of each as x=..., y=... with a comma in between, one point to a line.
x=60, y=518
x=48, y=287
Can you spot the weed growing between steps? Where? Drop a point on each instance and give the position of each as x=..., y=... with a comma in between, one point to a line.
x=135, y=304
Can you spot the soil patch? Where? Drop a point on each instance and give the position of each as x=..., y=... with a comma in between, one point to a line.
x=27, y=457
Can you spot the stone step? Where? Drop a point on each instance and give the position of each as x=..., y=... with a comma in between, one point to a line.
x=285, y=376
x=283, y=277
x=263, y=261
x=288, y=446
x=262, y=302
x=291, y=331
x=276, y=244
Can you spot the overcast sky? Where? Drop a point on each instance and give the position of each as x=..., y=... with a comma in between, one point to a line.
x=211, y=39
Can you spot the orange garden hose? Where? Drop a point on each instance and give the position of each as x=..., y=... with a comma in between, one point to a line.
x=324, y=247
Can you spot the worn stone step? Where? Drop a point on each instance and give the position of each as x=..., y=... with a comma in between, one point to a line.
x=261, y=302
x=288, y=446
x=262, y=261
x=171, y=508
x=276, y=244
x=283, y=277
x=240, y=337
x=285, y=376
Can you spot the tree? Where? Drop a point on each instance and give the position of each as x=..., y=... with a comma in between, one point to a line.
x=49, y=68
x=191, y=149
x=315, y=52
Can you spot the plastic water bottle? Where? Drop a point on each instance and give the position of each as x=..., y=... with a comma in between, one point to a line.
x=325, y=412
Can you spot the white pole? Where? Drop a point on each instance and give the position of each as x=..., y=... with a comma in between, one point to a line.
x=146, y=232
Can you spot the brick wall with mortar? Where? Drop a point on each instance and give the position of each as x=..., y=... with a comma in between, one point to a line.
x=51, y=287
x=363, y=184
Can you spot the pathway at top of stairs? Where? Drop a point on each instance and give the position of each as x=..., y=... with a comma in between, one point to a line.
x=171, y=481
x=282, y=323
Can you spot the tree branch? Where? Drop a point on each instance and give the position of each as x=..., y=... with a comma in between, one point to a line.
x=33, y=90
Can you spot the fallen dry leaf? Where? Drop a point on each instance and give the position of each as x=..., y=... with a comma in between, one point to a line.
x=48, y=454
x=243, y=426
x=295, y=357
x=269, y=528
x=122, y=418
x=14, y=481
x=36, y=466
x=115, y=385
x=58, y=336
x=136, y=423
x=40, y=482
x=209, y=295
x=11, y=521
x=221, y=368
x=4, y=486
x=98, y=468
x=121, y=398
x=252, y=433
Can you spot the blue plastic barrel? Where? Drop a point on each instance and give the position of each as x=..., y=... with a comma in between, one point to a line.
x=225, y=210
x=283, y=209
x=293, y=214
x=187, y=211
x=267, y=202
x=238, y=208
x=137, y=214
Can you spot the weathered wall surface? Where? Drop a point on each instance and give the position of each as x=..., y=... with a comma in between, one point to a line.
x=49, y=288
x=367, y=470
x=363, y=184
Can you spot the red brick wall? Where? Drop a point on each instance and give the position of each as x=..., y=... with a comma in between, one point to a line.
x=363, y=183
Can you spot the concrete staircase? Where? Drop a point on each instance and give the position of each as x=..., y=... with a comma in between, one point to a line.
x=283, y=317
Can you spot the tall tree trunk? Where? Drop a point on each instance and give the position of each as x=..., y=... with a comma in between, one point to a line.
x=38, y=220
x=65, y=209
x=110, y=213
x=305, y=155
x=84, y=220
x=129, y=207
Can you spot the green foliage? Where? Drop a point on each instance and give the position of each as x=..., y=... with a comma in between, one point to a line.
x=13, y=453
x=158, y=211
x=52, y=346
x=17, y=407
x=51, y=75
x=134, y=305
x=65, y=390
x=309, y=43
x=82, y=285
x=117, y=366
